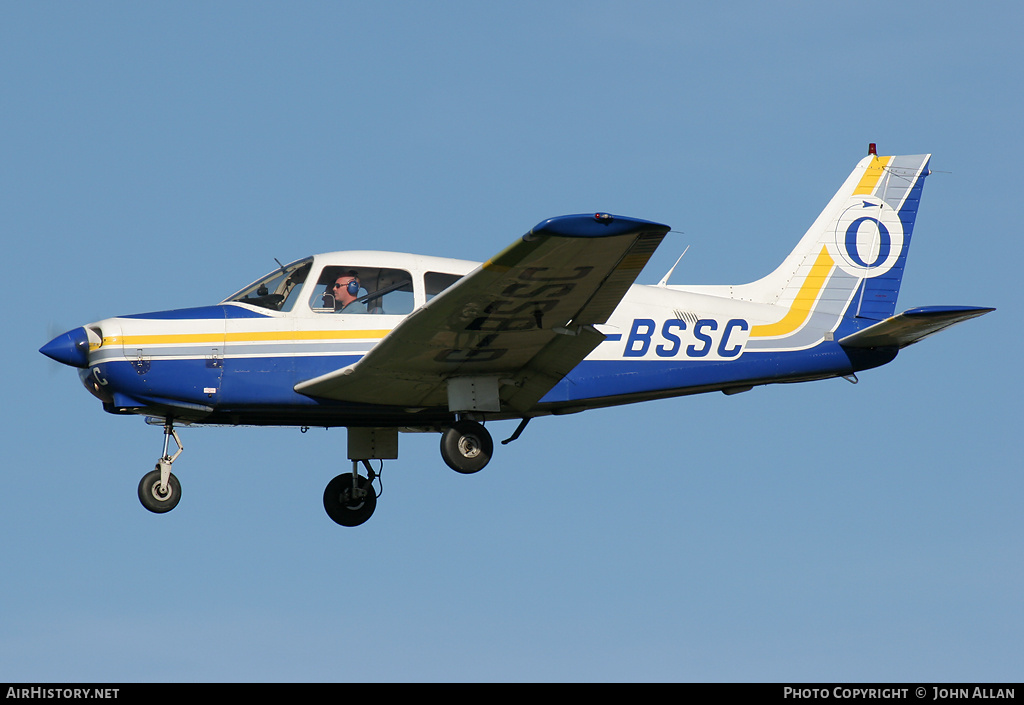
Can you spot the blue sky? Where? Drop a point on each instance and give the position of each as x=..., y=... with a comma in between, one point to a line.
x=160, y=155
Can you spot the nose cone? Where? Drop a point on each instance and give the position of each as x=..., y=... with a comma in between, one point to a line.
x=71, y=348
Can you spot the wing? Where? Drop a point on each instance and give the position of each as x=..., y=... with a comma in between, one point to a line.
x=524, y=319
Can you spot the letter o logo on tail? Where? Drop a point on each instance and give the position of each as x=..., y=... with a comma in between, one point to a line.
x=880, y=236
x=868, y=237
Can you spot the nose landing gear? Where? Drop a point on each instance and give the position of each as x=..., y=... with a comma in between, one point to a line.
x=159, y=489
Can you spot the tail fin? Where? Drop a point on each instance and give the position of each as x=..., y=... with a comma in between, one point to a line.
x=875, y=236
x=850, y=262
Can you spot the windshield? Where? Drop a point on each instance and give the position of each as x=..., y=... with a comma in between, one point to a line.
x=277, y=290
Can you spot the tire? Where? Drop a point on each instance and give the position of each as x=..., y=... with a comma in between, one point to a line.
x=342, y=507
x=466, y=447
x=152, y=499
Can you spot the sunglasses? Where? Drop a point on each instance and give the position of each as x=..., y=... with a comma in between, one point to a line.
x=352, y=286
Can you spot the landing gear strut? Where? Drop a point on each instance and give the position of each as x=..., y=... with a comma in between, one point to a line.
x=466, y=447
x=159, y=490
x=350, y=498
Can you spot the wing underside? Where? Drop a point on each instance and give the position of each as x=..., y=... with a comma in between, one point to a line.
x=522, y=320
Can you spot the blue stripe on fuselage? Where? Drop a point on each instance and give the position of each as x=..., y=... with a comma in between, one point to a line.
x=260, y=384
x=245, y=382
x=593, y=379
x=200, y=313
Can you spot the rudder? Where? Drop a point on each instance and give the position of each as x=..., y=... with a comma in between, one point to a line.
x=875, y=236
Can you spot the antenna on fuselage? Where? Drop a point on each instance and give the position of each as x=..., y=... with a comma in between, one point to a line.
x=664, y=279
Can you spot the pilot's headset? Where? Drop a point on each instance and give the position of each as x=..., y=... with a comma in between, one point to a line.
x=353, y=288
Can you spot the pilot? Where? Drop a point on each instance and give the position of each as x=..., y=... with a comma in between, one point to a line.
x=346, y=291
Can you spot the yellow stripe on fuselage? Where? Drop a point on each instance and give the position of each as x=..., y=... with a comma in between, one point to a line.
x=871, y=176
x=245, y=337
x=803, y=304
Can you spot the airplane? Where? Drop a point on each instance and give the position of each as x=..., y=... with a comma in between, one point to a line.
x=383, y=342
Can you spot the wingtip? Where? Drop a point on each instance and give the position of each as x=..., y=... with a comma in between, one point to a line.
x=597, y=224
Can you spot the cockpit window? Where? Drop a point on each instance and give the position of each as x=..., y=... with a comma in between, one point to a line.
x=276, y=291
x=362, y=290
x=436, y=282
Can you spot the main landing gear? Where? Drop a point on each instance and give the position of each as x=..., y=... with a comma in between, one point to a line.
x=466, y=447
x=350, y=498
x=159, y=490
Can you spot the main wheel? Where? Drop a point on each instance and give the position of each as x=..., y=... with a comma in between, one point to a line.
x=466, y=447
x=152, y=498
x=344, y=505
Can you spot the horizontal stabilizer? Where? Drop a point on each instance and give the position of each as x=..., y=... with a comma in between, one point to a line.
x=911, y=326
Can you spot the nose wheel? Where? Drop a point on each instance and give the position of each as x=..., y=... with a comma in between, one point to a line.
x=159, y=489
x=157, y=495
